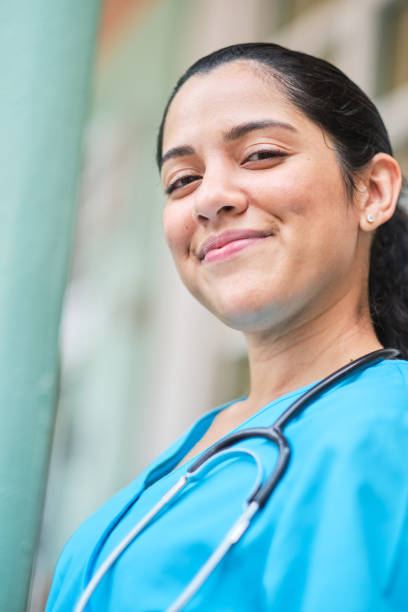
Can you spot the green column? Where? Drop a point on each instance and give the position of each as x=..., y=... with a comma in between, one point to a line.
x=46, y=56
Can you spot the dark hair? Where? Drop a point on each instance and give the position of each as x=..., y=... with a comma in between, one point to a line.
x=330, y=99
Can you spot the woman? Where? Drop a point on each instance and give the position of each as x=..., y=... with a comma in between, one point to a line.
x=282, y=218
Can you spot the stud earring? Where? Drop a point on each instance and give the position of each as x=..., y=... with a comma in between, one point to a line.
x=370, y=218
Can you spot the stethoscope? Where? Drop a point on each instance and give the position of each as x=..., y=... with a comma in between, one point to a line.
x=259, y=495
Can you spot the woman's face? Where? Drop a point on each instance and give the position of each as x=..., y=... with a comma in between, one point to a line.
x=257, y=217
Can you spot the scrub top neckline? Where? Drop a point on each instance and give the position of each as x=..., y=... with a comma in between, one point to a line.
x=190, y=439
x=181, y=452
x=169, y=465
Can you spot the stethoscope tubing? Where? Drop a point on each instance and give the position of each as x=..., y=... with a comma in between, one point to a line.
x=234, y=533
x=274, y=432
x=260, y=492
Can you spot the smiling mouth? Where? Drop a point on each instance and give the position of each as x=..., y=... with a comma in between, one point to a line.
x=231, y=248
x=236, y=238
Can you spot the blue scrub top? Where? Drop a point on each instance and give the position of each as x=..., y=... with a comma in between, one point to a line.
x=333, y=536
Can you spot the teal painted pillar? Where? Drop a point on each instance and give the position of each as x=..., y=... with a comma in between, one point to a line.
x=46, y=57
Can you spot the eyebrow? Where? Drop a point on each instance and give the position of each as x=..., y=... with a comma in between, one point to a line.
x=234, y=133
x=240, y=130
x=177, y=152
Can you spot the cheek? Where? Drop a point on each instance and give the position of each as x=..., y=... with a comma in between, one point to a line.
x=178, y=230
x=293, y=188
x=317, y=200
x=317, y=220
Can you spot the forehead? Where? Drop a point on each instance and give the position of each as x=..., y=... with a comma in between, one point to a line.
x=229, y=94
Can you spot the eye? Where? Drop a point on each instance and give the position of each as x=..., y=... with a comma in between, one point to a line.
x=263, y=155
x=182, y=182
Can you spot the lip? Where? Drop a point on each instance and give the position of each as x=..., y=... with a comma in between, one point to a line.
x=217, y=242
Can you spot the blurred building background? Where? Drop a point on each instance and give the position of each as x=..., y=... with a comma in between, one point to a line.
x=140, y=359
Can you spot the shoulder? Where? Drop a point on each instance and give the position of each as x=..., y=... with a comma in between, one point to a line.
x=359, y=431
x=77, y=556
x=351, y=471
x=386, y=379
x=378, y=393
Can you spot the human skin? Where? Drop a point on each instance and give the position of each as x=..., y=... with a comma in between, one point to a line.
x=299, y=294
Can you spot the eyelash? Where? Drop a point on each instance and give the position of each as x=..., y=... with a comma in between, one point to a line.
x=184, y=180
x=265, y=154
x=190, y=178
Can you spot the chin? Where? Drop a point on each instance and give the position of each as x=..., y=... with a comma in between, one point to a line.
x=250, y=322
x=251, y=317
x=248, y=305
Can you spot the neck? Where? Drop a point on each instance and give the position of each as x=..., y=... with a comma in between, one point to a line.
x=307, y=353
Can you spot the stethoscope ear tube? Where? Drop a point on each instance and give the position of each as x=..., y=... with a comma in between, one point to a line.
x=264, y=492
x=255, y=432
x=300, y=404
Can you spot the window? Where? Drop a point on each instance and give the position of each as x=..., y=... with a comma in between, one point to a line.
x=401, y=154
x=393, y=47
x=288, y=10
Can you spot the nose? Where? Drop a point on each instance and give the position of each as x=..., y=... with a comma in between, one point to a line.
x=219, y=193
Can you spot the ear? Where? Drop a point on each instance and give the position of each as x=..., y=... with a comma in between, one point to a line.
x=381, y=187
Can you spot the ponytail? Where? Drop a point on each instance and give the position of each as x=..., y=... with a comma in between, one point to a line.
x=388, y=282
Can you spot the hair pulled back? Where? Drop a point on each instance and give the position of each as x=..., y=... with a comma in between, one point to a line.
x=330, y=99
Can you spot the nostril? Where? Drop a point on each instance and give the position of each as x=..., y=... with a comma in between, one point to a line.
x=210, y=206
x=212, y=214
